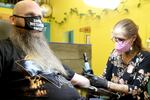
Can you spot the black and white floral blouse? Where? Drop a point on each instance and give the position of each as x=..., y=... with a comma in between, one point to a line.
x=135, y=74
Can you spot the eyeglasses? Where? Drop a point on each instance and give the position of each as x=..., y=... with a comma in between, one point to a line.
x=116, y=39
x=27, y=16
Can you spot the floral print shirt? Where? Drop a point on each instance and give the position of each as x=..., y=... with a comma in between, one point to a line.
x=135, y=74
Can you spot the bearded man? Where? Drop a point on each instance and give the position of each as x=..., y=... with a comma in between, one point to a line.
x=28, y=67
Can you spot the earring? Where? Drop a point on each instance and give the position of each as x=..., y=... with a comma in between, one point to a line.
x=131, y=48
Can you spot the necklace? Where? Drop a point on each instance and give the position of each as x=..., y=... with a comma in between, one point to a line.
x=126, y=58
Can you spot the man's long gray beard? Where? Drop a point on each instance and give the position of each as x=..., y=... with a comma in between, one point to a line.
x=34, y=44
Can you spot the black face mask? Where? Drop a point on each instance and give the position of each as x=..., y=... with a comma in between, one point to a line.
x=32, y=23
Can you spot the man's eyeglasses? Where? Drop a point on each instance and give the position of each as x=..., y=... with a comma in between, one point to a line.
x=27, y=16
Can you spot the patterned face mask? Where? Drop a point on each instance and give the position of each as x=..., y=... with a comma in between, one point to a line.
x=32, y=23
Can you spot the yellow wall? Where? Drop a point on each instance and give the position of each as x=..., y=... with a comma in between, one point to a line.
x=100, y=27
x=5, y=13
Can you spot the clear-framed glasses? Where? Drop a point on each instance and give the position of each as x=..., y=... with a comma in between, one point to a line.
x=117, y=39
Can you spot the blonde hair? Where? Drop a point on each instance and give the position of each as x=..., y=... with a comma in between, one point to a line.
x=129, y=29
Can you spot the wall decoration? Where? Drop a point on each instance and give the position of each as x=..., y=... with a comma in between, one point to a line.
x=98, y=15
x=90, y=13
x=46, y=7
x=86, y=29
x=46, y=10
x=68, y=37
